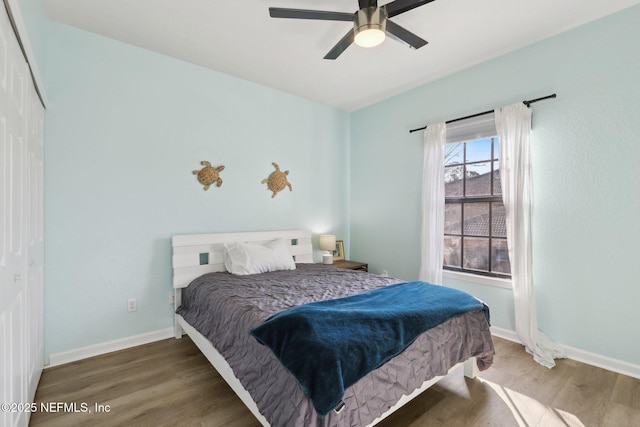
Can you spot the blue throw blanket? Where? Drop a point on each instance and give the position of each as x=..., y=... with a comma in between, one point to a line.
x=329, y=345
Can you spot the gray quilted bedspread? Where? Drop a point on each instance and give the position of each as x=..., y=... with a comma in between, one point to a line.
x=224, y=308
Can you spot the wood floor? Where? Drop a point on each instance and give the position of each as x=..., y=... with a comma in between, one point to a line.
x=170, y=383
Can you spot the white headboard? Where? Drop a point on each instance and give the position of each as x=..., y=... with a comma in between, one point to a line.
x=198, y=254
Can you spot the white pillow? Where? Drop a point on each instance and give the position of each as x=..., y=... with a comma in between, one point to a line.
x=251, y=258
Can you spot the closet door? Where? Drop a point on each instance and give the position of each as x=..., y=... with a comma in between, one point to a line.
x=20, y=231
x=35, y=241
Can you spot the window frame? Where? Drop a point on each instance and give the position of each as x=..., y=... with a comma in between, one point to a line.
x=477, y=279
x=496, y=278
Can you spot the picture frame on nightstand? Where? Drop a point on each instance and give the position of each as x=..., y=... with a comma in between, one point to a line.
x=338, y=253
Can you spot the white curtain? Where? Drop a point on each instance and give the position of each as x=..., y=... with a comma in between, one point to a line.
x=513, y=124
x=432, y=245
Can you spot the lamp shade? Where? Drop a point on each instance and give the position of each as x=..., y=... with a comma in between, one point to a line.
x=327, y=242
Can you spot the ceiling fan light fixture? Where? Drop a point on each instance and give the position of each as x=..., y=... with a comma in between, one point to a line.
x=369, y=37
x=369, y=26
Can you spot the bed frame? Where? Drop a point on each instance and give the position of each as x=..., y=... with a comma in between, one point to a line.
x=198, y=254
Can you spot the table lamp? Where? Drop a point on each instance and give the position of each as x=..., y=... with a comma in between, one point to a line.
x=327, y=243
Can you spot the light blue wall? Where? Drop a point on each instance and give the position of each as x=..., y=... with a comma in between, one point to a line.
x=586, y=153
x=125, y=128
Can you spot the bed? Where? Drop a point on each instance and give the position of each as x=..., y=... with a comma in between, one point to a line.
x=232, y=306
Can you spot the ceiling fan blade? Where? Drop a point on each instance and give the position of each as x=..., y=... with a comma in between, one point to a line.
x=367, y=3
x=404, y=36
x=401, y=6
x=278, y=12
x=341, y=46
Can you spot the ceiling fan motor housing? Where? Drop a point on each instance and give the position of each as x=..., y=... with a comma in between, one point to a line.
x=370, y=20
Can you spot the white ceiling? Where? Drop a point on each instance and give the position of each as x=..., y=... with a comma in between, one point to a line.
x=239, y=38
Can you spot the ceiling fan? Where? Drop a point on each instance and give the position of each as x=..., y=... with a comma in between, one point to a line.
x=370, y=23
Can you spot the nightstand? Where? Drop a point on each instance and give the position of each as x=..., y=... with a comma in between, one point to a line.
x=351, y=265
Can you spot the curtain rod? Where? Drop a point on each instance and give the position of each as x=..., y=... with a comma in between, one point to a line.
x=531, y=101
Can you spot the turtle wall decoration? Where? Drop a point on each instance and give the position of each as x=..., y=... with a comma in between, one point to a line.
x=277, y=181
x=209, y=175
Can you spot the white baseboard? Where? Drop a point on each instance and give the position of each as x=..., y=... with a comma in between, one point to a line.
x=506, y=334
x=108, y=347
x=604, y=362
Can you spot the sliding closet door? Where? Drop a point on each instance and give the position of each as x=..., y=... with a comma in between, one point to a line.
x=21, y=242
x=35, y=241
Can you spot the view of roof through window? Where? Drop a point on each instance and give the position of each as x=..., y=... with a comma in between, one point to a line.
x=475, y=238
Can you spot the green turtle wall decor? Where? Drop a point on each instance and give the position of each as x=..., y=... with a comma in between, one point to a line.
x=209, y=175
x=277, y=181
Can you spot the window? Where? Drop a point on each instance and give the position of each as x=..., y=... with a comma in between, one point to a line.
x=475, y=237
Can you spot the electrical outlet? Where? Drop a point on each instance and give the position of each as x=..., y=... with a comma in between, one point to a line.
x=172, y=298
x=384, y=273
x=132, y=304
